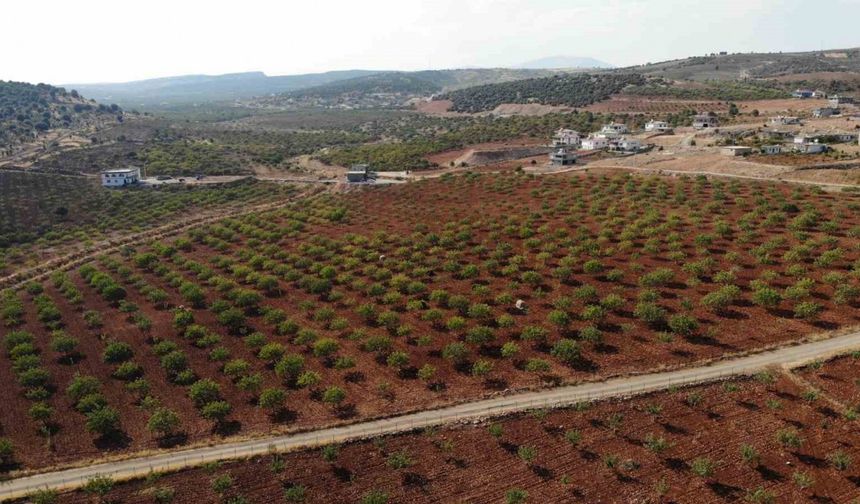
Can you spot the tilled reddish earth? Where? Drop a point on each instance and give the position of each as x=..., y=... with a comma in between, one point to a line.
x=383, y=237
x=612, y=460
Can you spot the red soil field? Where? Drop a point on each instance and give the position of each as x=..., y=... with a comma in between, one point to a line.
x=686, y=445
x=364, y=272
x=838, y=379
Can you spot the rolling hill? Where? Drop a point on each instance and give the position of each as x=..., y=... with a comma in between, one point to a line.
x=753, y=65
x=394, y=89
x=575, y=90
x=27, y=110
x=564, y=62
x=207, y=88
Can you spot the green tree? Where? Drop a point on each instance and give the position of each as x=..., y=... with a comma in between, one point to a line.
x=103, y=421
x=216, y=411
x=273, y=399
x=334, y=396
x=163, y=421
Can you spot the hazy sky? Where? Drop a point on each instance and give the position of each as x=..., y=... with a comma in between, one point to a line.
x=120, y=40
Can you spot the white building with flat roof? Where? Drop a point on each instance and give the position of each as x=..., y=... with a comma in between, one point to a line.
x=120, y=177
x=614, y=129
x=784, y=120
x=595, y=143
x=567, y=138
x=657, y=126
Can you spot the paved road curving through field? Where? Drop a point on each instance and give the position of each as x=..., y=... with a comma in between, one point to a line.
x=562, y=396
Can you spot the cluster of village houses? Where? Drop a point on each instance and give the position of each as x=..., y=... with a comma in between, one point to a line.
x=613, y=136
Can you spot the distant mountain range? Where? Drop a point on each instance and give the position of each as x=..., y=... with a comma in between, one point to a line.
x=197, y=89
x=565, y=62
x=206, y=88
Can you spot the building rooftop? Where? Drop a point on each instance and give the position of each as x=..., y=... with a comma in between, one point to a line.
x=121, y=170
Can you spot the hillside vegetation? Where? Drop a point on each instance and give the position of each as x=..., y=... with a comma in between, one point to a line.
x=391, y=82
x=574, y=90
x=423, y=136
x=391, y=89
x=763, y=65
x=711, y=90
x=27, y=110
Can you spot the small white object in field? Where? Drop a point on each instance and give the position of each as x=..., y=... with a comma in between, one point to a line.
x=381, y=257
x=521, y=305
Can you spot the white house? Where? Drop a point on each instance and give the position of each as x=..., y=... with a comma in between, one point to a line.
x=802, y=139
x=704, y=121
x=120, y=177
x=566, y=137
x=771, y=149
x=784, y=120
x=614, y=129
x=562, y=157
x=825, y=112
x=835, y=101
x=595, y=142
x=627, y=144
x=736, y=150
x=810, y=148
x=658, y=126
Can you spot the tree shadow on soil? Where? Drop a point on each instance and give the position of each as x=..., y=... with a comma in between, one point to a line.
x=701, y=339
x=114, y=441
x=585, y=365
x=346, y=411
x=674, y=429
x=725, y=491
x=542, y=472
x=748, y=405
x=768, y=474
x=786, y=396
x=794, y=423
x=285, y=415
x=675, y=464
x=825, y=325
x=9, y=467
x=457, y=462
x=781, y=313
x=342, y=474
x=355, y=377
x=227, y=428
x=173, y=441
x=733, y=315
x=605, y=348
x=588, y=455
x=496, y=384
x=413, y=479
x=828, y=412
x=509, y=447
x=811, y=460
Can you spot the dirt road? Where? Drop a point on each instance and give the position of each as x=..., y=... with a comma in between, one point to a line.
x=562, y=396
